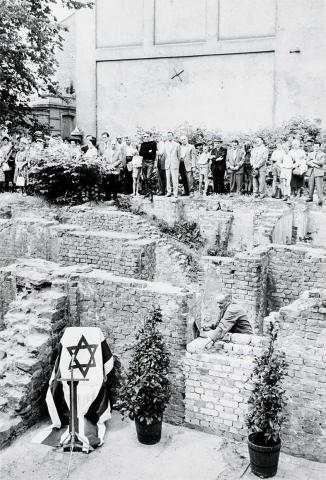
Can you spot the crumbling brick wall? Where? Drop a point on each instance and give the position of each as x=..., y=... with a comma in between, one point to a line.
x=264, y=279
x=292, y=270
x=121, y=253
x=302, y=337
x=33, y=237
x=34, y=322
x=218, y=382
x=218, y=387
x=119, y=305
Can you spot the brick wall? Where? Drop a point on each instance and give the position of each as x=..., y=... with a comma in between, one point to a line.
x=34, y=237
x=121, y=253
x=244, y=276
x=302, y=337
x=263, y=279
x=34, y=321
x=218, y=386
x=119, y=305
x=292, y=270
x=245, y=222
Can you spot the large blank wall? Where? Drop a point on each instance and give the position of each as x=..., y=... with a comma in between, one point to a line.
x=239, y=93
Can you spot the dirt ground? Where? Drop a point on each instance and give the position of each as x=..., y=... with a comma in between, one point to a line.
x=182, y=454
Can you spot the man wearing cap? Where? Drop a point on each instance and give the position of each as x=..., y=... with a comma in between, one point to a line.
x=231, y=318
x=218, y=165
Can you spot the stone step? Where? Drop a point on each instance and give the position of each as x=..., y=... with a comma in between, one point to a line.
x=9, y=427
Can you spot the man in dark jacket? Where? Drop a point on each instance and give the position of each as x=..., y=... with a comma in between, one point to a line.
x=218, y=165
x=232, y=319
x=148, y=152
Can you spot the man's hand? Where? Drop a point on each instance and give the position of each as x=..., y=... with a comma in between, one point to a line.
x=209, y=344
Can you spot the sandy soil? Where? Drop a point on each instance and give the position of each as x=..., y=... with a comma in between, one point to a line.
x=182, y=454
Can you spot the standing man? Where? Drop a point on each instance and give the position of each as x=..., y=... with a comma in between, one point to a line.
x=299, y=158
x=187, y=165
x=218, y=165
x=247, y=169
x=234, y=163
x=172, y=165
x=131, y=151
x=105, y=146
x=148, y=150
x=316, y=165
x=259, y=156
x=160, y=165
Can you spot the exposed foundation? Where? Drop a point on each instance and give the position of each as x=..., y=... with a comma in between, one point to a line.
x=95, y=265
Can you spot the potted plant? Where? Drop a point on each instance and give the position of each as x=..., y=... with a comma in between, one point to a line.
x=266, y=408
x=145, y=390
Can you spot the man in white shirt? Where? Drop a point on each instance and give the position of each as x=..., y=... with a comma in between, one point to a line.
x=172, y=164
x=160, y=165
x=258, y=159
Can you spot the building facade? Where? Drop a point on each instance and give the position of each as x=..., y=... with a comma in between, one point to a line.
x=233, y=65
x=58, y=114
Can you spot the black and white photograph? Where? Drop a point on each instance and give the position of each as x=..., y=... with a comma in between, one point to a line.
x=162, y=239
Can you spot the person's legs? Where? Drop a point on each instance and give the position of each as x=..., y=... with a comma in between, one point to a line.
x=311, y=186
x=274, y=184
x=201, y=177
x=319, y=188
x=168, y=181
x=215, y=179
x=190, y=178
x=239, y=181
x=175, y=181
x=206, y=183
x=220, y=172
x=232, y=181
x=255, y=182
x=262, y=182
x=161, y=178
x=184, y=177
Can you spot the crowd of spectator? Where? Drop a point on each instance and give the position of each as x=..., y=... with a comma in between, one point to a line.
x=159, y=165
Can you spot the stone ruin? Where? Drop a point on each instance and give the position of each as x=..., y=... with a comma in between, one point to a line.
x=95, y=265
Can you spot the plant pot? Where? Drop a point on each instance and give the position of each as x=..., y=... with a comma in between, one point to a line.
x=263, y=458
x=148, y=434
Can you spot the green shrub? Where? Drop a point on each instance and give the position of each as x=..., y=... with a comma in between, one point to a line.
x=145, y=390
x=267, y=400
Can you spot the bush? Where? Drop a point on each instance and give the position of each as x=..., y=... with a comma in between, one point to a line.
x=267, y=400
x=145, y=391
x=61, y=181
x=185, y=232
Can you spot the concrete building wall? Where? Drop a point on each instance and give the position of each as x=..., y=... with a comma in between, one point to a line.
x=246, y=63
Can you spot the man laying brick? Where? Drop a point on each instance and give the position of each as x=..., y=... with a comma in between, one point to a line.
x=232, y=318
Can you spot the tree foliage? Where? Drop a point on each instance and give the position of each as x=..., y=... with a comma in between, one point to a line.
x=29, y=38
x=145, y=391
x=267, y=400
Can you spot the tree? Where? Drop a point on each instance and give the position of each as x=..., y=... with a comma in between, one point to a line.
x=29, y=38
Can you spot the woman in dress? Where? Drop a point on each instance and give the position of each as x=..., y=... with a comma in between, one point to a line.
x=91, y=152
x=21, y=161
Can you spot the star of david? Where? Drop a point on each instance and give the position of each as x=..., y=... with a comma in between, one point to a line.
x=74, y=350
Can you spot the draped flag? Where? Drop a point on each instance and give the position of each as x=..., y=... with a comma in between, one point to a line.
x=86, y=351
